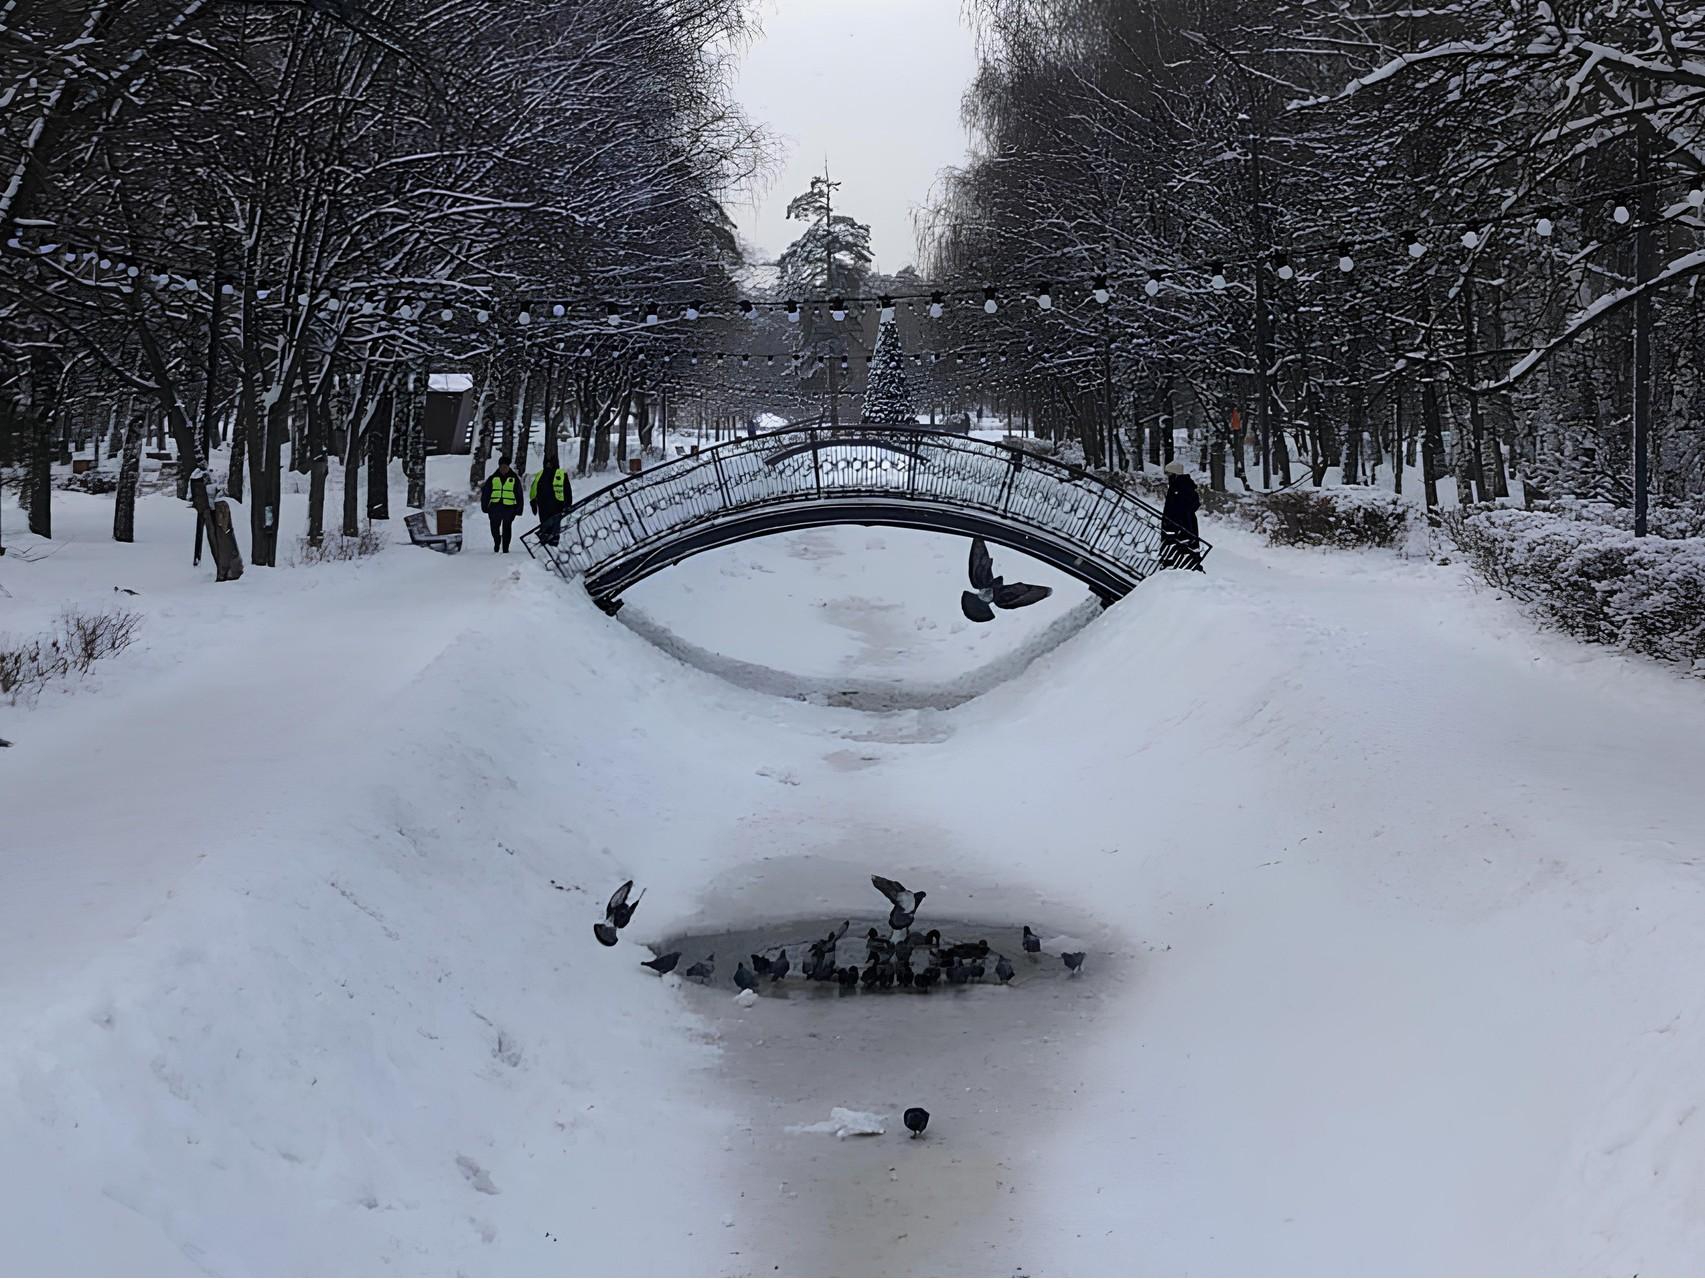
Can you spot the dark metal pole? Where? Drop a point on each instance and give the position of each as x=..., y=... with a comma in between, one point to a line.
x=1642, y=321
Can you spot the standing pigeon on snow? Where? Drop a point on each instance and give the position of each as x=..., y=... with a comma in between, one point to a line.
x=1004, y=970
x=988, y=589
x=916, y=1120
x=663, y=964
x=779, y=966
x=744, y=977
x=905, y=903
x=1074, y=961
x=1032, y=943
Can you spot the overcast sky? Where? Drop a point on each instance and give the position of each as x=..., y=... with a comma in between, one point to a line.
x=874, y=85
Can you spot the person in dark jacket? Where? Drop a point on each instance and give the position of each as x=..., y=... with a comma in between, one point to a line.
x=500, y=499
x=551, y=497
x=1179, y=534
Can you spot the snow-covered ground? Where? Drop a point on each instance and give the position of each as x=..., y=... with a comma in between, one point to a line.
x=1391, y=905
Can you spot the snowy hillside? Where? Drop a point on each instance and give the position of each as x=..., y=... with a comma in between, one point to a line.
x=1389, y=901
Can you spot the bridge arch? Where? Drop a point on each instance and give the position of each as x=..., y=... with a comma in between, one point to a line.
x=898, y=477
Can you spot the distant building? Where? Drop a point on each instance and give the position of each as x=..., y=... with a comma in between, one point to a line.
x=449, y=413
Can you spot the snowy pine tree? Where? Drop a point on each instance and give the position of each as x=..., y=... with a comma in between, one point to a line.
x=887, y=399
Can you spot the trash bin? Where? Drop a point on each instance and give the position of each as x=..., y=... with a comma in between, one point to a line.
x=449, y=519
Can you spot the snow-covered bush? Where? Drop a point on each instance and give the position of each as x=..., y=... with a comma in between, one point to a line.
x=1596, y=581
x=89, y=482
x=1685, y=519
x=76, y=642
x=1332, y=517
x=335, y=547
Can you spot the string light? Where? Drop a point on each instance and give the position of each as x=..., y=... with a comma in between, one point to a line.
x=935, y=306
x=1219, y=280
x=990, y=306
x=1044, y=300
x=1102, y=292
x=1346, y=263
x=1285, y=269
x=612, y=316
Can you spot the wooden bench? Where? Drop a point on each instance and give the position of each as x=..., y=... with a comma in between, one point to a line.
x=446, y=543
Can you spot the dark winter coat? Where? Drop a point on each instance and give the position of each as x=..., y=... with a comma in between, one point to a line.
x=1182, y=502
x=543, y=493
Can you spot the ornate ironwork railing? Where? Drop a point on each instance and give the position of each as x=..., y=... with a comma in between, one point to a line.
x=807, y=477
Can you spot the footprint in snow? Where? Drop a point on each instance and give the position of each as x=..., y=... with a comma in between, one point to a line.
x=477, y=1177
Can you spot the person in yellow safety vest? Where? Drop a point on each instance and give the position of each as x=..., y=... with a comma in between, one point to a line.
x=500, y=499
x=551, y=497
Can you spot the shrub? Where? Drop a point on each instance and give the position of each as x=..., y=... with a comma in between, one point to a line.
x=336, y=547
x=89, y=482
x=77, y=641
x=1595, y=581
x=1333, y=517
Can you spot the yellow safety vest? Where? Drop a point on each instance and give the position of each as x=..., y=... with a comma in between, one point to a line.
x=559, y=485
x=503, y=490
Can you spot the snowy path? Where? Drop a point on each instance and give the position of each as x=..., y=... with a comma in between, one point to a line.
x=1391, y=905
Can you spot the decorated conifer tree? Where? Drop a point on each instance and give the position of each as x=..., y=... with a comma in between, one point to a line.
x=887, y=400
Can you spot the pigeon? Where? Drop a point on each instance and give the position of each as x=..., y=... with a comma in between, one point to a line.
x=605, y=933
x=779, y=966
x=847, y=977
x=1004, y=970
x=761, y=965
x=905, y=903
x=905, y=976
x=1074, y=961
x=1032, y=943
x=620, y=910
x=916, y=1120
x=988, y=589
x=705, y=969
x=927, y=978
x=744, y=977
x=663, y=963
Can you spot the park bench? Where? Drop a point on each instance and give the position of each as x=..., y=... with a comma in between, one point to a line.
x=446, y=543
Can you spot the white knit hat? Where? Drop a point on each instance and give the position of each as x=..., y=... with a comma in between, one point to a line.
x=1175, y=467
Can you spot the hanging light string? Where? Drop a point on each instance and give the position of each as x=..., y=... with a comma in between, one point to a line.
x=102, y=268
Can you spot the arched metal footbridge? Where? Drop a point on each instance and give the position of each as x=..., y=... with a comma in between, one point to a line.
x=899, y=477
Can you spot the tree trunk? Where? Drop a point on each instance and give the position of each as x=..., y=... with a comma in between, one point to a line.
x=318, y=406
x=1433, y=447
x=415, y=426
x=378, y=458
x=482, y=453
x=129, y=471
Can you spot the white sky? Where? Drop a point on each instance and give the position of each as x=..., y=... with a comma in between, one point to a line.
x=874, y=84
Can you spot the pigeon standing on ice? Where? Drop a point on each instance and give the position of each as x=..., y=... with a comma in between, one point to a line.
x=663, y=964
x=761, y=965
x=1074, y=961
x=988, y=589
x=1004, y=970
x=705, y=969
x=779, y=966
x=905, y=903
x=744, y=977
x=916, y=1120
x=1032, y=943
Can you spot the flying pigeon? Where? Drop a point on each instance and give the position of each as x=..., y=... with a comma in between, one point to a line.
x=988, y=589
x=905, y=903
x=663, y=963
x=605, y=933
x=744, y=977
x=779, y=966
x=620, y=910
x=1004, y=970
x=1074, y=961
x=1032, y=943
x=916, y=1120
x=704, y=969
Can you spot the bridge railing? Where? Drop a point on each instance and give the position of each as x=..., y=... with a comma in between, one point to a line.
x=897, y=464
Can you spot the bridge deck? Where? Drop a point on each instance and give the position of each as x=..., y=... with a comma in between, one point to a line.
x=903, y=477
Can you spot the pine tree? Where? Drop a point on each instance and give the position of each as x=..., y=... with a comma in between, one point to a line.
x=887, y=399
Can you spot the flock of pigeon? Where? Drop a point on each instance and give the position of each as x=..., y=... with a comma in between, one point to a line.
x=888, y=961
